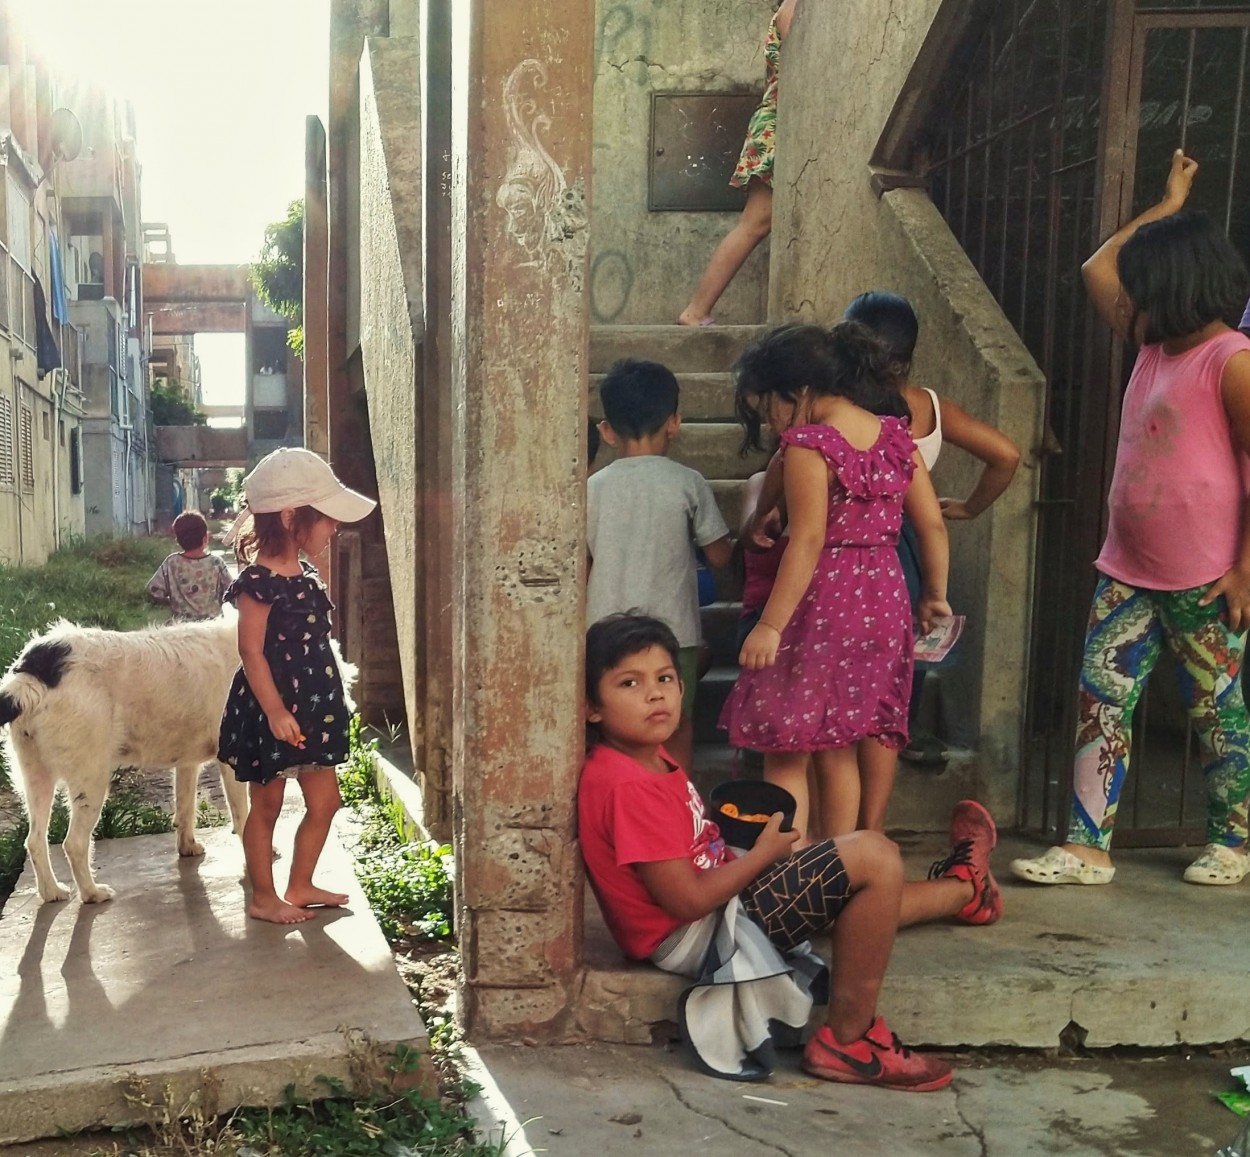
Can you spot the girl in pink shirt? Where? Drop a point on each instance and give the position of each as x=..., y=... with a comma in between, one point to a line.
x=1175, y=566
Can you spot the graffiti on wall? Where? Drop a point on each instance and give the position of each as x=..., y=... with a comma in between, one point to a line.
x=546, y=216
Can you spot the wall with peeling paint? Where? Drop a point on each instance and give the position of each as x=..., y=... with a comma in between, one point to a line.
x=644, y=265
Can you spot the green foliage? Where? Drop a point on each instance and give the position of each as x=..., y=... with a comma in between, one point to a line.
x=171, y=408
x=409, y=889
x=407, y=883
x=278, y=273
x=231, y=491
x=98, y=582
x=401, y=1124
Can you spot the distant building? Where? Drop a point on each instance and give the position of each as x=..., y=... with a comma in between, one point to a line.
x=41, y=399
x=100, y=203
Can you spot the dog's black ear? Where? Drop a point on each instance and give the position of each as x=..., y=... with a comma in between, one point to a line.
x=44, y=661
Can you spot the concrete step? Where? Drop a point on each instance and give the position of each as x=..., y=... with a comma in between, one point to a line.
x=711, y=448
x=704, y=398
x=728, y=494
x=1146, y=961
x=684, y=349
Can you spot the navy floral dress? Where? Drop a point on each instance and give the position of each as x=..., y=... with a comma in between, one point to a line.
x=297, y=646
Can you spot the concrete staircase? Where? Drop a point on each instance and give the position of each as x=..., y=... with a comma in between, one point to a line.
x=710, y=436
x=702, y=358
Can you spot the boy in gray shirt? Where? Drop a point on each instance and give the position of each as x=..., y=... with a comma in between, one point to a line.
x=645, y=517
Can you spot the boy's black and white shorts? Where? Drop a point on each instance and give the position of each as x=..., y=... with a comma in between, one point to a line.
x=799, y=897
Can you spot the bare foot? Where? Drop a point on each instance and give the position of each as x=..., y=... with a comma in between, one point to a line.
x=277, y=912
x=313, y=897
x=688, y=318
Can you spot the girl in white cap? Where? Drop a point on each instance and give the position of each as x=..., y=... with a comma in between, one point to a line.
x=286, y=715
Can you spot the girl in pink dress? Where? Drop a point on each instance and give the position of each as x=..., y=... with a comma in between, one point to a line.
x=830, y=661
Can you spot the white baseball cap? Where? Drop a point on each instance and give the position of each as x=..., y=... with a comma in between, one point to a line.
x=291, y=477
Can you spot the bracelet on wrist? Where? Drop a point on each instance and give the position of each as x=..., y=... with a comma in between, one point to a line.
x=770, y=626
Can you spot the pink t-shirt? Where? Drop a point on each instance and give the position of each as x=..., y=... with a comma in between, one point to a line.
x=1180, y=479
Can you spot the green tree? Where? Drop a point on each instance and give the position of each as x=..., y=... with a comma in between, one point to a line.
x=170, y=408
x=278, y=274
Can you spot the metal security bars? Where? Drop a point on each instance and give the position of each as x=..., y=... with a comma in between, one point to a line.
x=1054, y=125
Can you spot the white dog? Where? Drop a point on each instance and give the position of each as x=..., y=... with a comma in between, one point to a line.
x=82, y=701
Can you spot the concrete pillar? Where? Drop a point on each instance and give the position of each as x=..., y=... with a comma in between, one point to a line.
x=440, y=455
x=316, y=258
x=521, y=167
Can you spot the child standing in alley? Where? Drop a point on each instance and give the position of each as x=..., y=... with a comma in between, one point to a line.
x=286, y=715
x=1175, y=566
x=645, y=516
x=829, y=662
x=934, y=421
x=191, y=582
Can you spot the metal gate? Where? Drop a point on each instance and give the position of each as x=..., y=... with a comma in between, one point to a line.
x=1056, y=125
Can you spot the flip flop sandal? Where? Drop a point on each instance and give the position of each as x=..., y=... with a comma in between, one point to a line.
x=1057, y=866
x=1218, y=865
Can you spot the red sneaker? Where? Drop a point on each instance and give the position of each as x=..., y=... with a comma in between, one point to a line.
x=877, y=1058
x=973, y=836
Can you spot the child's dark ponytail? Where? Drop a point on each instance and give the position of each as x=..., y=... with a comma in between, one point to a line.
x=865, y=372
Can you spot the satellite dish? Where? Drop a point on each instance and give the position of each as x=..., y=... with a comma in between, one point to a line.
x=65, y=134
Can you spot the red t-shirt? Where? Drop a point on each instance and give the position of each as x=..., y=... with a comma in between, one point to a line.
x=627, y=815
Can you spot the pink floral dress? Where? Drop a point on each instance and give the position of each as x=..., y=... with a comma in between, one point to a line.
x=758, y=150
x=844, y=666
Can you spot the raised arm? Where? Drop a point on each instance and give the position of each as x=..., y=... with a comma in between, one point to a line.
x=1102, y=278
x=999, y=453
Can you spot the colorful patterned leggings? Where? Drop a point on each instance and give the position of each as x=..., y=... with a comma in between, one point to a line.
x=1127, y=627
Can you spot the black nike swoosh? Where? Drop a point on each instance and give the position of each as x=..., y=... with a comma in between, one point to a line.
x=869, y=1069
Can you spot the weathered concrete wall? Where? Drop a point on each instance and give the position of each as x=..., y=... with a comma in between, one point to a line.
x=521, y=159
x=390, y=330
x=848, y=240
x=644, y=265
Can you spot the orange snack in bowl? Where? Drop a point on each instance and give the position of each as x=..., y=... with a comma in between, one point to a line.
x=731, y=810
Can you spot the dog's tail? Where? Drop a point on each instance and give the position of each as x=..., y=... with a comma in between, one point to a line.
x=38, y=668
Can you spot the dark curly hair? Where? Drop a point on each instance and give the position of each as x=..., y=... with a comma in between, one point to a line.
x=846, y=361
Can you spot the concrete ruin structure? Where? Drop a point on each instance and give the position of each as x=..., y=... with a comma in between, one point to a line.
x=493, y=216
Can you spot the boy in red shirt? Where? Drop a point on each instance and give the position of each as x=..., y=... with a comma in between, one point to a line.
x=659, y=867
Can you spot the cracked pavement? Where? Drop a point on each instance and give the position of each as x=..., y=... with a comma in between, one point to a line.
x=605, y=1100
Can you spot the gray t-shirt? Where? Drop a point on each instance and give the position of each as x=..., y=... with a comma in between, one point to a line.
x=644, y=518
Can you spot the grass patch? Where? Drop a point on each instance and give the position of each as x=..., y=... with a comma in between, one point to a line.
x=97, y=582
x=407, y=882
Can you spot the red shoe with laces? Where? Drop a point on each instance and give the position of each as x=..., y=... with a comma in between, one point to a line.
x=973, y=836
x=877, y=1058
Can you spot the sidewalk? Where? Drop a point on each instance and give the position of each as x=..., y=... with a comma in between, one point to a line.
x=1146, y=960
x=172, y=983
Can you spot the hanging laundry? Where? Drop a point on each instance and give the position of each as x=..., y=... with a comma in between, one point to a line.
x=60, y=300
x=47, y=353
